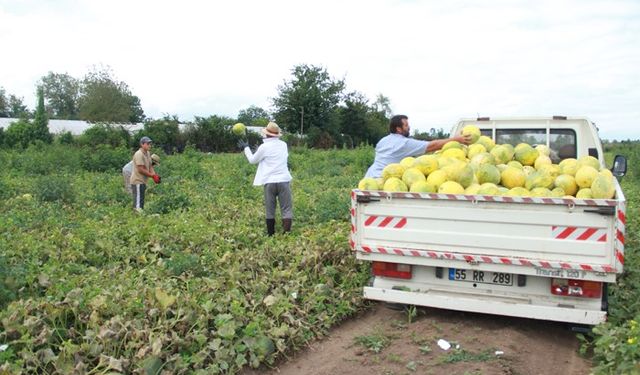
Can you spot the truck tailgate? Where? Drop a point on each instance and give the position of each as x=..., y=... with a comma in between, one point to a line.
x=541, y=233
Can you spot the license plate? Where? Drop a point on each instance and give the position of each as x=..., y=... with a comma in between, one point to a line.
x=482, y=277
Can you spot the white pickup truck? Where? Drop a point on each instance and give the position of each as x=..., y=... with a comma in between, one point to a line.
x=541, y=258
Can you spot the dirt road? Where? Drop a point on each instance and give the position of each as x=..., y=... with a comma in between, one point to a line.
x=383, y=341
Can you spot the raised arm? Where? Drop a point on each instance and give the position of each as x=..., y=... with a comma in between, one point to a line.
x=437, y=144
x=254, y=158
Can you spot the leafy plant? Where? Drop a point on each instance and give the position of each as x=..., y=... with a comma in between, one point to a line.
x=180, y=263
x=461, y=355
x=167, y=200
x=54, y=189
x=375, y=342
x=617, y=348
x=12, y=279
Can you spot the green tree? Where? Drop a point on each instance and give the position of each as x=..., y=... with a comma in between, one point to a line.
x=311, y=95
x=4, y=103
x=383, y=104
x=17, y=108
x=41, y=122
x=354, y=117
x=361, y=122
x=61, y=92
x=104, y=99
x=253, y=116
x=432, y=134
x=137, y=114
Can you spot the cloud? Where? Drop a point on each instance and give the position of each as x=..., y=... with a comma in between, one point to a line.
x=436, y=61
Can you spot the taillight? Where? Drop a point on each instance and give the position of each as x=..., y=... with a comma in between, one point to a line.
x=399, y=271
x=576, y=288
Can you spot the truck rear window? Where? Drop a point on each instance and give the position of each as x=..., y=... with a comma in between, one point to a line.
x=562, y=142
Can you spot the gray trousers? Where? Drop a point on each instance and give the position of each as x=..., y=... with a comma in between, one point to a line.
x=138, y=195
x=127, y=186
x=281, y=191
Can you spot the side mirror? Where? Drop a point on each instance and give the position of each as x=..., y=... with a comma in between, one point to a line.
x=619, y=168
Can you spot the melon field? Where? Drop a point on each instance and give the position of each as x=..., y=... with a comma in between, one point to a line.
x=193, y=285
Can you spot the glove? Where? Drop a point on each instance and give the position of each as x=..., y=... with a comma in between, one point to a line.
x=242, y=144
x=156, y=178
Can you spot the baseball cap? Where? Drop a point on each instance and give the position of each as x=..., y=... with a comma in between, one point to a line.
x=145, y=139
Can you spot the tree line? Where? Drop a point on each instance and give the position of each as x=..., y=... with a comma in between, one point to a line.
x=314, y=109
x=97, y=97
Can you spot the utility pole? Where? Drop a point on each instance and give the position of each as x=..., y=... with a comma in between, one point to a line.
x=302, y=121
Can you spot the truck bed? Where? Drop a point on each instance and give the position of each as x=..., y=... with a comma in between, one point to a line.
x=556, y=237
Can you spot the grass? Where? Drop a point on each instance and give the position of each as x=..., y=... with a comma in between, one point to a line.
x=462, y=355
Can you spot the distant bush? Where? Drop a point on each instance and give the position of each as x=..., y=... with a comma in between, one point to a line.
x=105, y=158
x=105, y=134
x=19, y=134
x=165, y=134
x=318, y=138
x=65, y=138
x=213, y=134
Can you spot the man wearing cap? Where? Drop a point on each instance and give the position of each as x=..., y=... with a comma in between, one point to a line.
x=273, y=173
x=397, y=145
x=142, y=169
x=128, y=169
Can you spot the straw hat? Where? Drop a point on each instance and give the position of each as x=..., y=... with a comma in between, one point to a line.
x=155, y=159
x=272, y=129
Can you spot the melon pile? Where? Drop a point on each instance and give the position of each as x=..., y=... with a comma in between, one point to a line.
x=484, y=168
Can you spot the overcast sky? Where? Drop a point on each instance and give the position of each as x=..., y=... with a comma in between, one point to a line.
x=437, y=61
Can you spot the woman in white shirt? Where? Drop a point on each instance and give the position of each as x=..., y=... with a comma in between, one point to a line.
x=274, y=175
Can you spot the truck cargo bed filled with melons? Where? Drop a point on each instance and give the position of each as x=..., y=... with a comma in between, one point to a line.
x=554, y=237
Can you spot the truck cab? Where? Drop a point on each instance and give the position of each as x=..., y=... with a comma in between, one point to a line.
x=566, y=137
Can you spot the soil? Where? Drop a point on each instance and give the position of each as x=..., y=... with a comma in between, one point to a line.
x=386, y=341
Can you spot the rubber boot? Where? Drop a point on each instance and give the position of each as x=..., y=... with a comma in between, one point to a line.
x=286, y=225
x=271, y=227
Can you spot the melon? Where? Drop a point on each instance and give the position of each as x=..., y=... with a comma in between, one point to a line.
x=473, y=131
x=394, y=184
x=451, y=187
x=239, y=129
x=585, y=176
x=393, y=170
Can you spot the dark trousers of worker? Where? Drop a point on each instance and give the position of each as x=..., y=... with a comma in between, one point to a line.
x=138, y=195
x=280, y=192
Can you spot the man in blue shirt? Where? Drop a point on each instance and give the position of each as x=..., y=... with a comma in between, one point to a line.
x=397, y=145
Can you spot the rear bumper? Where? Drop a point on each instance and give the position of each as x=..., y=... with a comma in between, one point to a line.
x=486, y=304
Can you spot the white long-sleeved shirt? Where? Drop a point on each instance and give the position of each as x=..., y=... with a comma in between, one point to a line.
x=271, y=158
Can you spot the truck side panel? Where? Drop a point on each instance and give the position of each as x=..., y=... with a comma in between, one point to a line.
x=551, y=233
